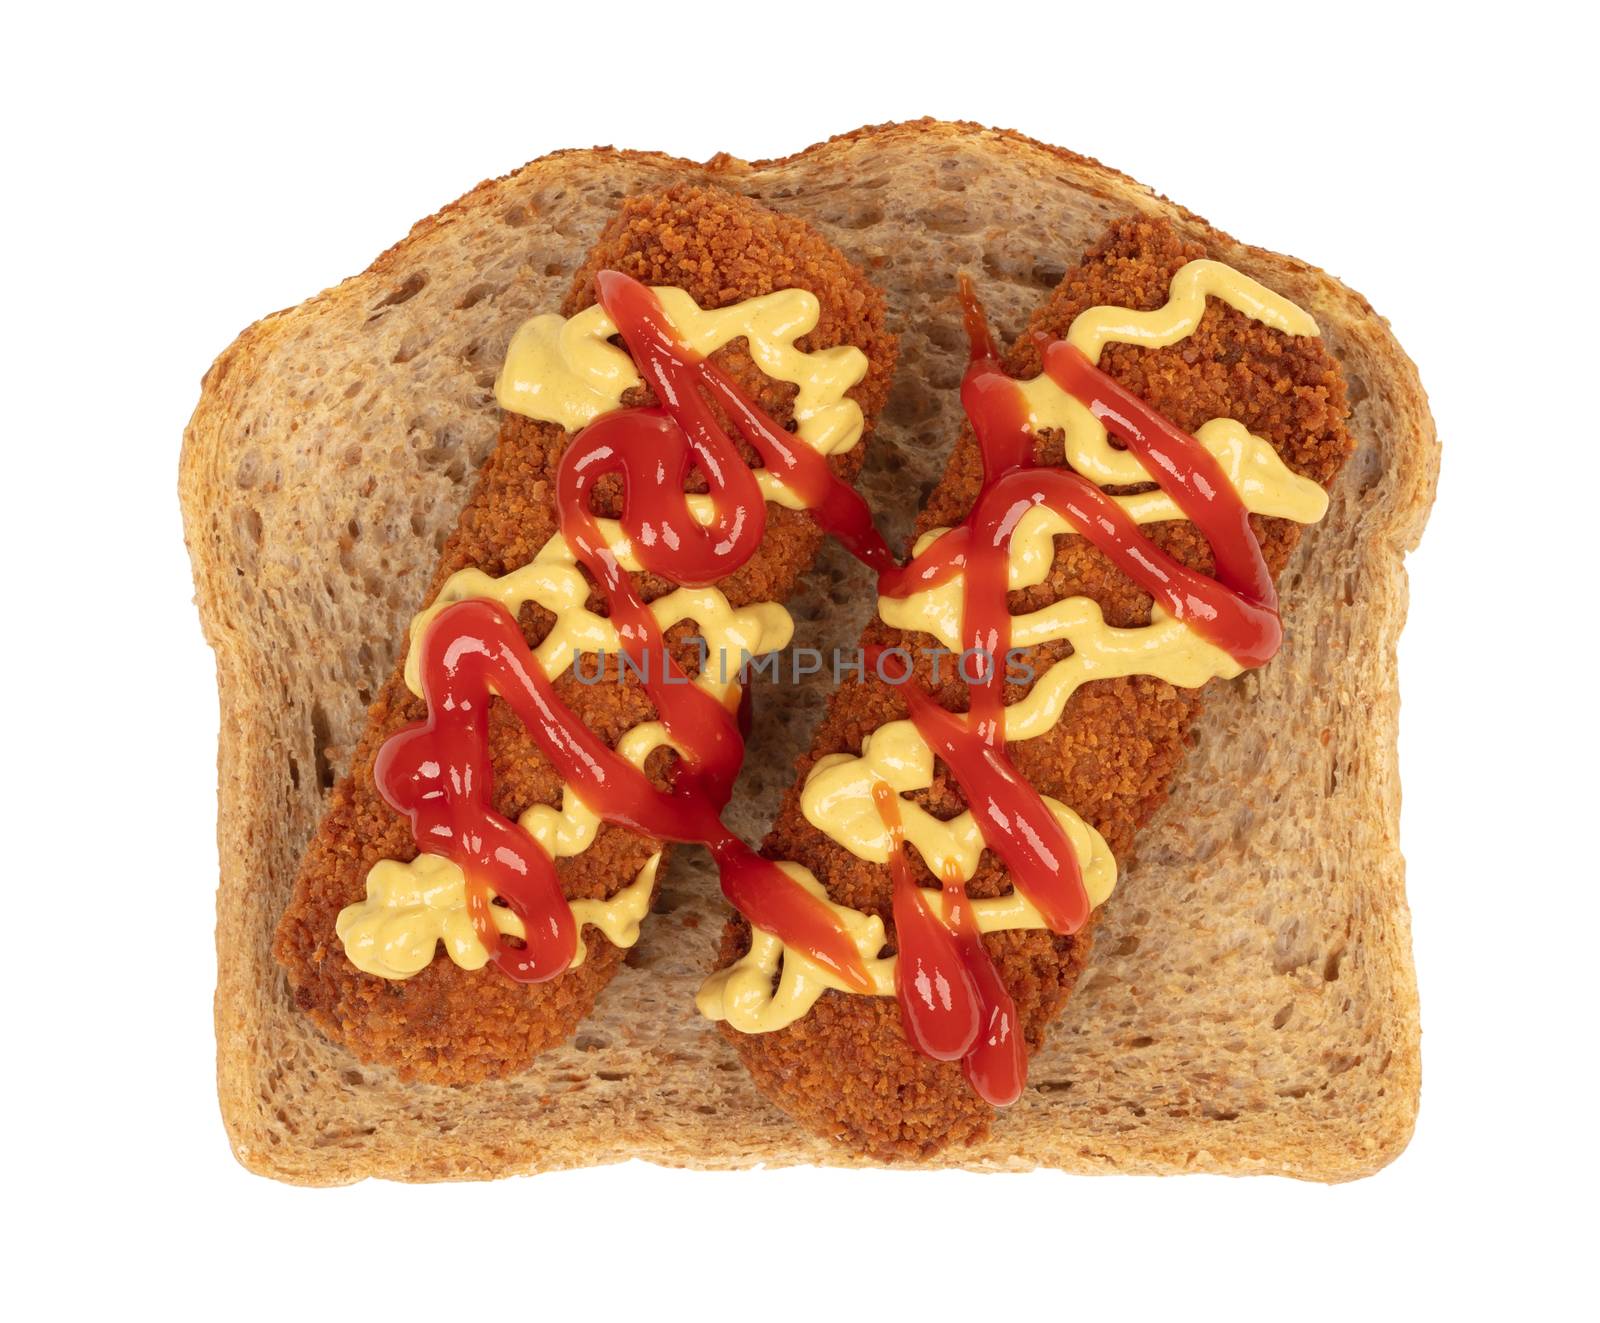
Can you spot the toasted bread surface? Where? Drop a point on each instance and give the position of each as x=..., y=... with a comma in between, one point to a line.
x=1250, y=1005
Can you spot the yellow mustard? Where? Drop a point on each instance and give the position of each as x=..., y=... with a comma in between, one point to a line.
x=411, y=908
x=566, y=371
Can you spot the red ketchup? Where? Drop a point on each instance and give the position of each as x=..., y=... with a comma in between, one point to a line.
x=952, y=1003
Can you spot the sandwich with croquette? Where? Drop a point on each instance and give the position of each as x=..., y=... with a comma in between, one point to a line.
x=1079, y=853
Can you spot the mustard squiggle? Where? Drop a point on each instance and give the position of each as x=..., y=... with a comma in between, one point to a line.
x=566, y=371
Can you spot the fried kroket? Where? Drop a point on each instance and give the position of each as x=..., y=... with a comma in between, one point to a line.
x=845, y=1070
x=446, y=1024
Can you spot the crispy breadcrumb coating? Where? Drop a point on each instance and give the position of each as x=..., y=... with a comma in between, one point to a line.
x=845, y=1070
x=446, y=1024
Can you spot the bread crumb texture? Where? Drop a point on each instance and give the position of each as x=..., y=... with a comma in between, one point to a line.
x=1249, y=1005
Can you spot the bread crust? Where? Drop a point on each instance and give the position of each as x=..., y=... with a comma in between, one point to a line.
x=1251, y=1003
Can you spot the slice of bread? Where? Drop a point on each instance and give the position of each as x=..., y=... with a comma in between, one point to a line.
x=1250, y=1005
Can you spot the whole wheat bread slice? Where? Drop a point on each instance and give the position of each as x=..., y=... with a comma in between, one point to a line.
x=1250, y=1004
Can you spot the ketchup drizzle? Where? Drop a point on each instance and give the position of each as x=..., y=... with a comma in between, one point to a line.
x=952, y=1000
x=439, y=775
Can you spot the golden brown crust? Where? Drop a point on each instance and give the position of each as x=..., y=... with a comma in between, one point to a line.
x=846, y=1070
x=446, y=1024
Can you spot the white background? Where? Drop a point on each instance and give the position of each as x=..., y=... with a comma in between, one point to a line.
x=172, y=176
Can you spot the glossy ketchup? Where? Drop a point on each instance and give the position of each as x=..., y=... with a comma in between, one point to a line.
x=952, y=1003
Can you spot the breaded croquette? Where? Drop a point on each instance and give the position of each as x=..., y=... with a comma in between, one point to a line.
x=845, y=1069
x=446, y=1024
